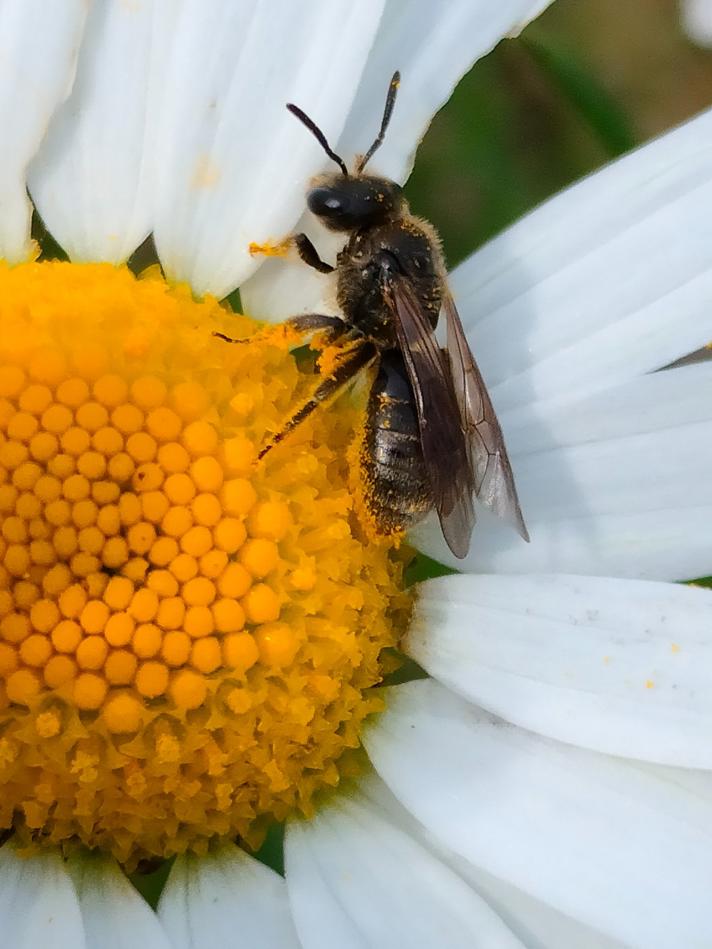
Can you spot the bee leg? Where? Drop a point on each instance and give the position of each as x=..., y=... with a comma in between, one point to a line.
x=305, y=323
x=309, y=254
x=346, y=370
x=333, y=326
x=231, y=339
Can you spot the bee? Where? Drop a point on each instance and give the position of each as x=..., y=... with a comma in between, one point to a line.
x=431, y=439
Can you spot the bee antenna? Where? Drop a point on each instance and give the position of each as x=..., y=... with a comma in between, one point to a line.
x=387, y=112
x=318, y=135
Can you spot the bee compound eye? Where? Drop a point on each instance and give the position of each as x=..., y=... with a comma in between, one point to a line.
x=323, y=201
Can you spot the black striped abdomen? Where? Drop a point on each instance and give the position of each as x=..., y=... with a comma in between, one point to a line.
x=395, y=484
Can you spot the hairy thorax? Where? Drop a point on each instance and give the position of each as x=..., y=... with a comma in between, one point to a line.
x=405, y=245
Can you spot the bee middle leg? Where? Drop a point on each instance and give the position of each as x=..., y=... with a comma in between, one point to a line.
x=333, y=328
x=355, y=358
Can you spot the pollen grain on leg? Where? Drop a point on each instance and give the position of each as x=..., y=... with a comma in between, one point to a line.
x=188, y=638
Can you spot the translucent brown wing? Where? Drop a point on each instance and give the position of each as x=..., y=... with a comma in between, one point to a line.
x=442, y=436
x=494, y=481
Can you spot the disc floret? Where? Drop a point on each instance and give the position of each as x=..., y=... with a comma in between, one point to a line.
x=188, y=639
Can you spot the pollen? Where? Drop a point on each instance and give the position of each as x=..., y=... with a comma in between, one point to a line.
x=190, y=637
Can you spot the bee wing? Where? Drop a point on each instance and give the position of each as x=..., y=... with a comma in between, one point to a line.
x=442, y=437
x=494, y=481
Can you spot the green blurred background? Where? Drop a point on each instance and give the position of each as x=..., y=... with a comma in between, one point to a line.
x=588, y=80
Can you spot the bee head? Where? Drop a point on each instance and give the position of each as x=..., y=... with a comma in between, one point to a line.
x=344, y=203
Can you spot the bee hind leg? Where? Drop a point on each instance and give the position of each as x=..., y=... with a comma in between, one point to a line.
x=353, y=361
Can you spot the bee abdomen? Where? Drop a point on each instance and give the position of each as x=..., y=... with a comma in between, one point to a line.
x=392, y=469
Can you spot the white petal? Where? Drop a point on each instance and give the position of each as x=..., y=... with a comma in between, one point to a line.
x=227, y=899
x=356, y=880
x=604, y=282
x=535, y=923
x=648, y=404
x=648, y=468
x=115, y=915
x=235, y=161
x=38, y=52
x=93, y=178
x=697, y=21
x=614, y=483
x=433, y=43
x=618, y=848
x=672, y=544
x=620, y=666
x=38, y=903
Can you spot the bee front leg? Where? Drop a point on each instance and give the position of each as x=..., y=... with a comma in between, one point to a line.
x=309, y=254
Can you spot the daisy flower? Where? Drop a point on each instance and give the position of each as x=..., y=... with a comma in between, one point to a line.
x=191, y=644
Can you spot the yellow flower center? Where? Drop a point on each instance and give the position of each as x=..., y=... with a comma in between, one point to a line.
x=188, y=638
